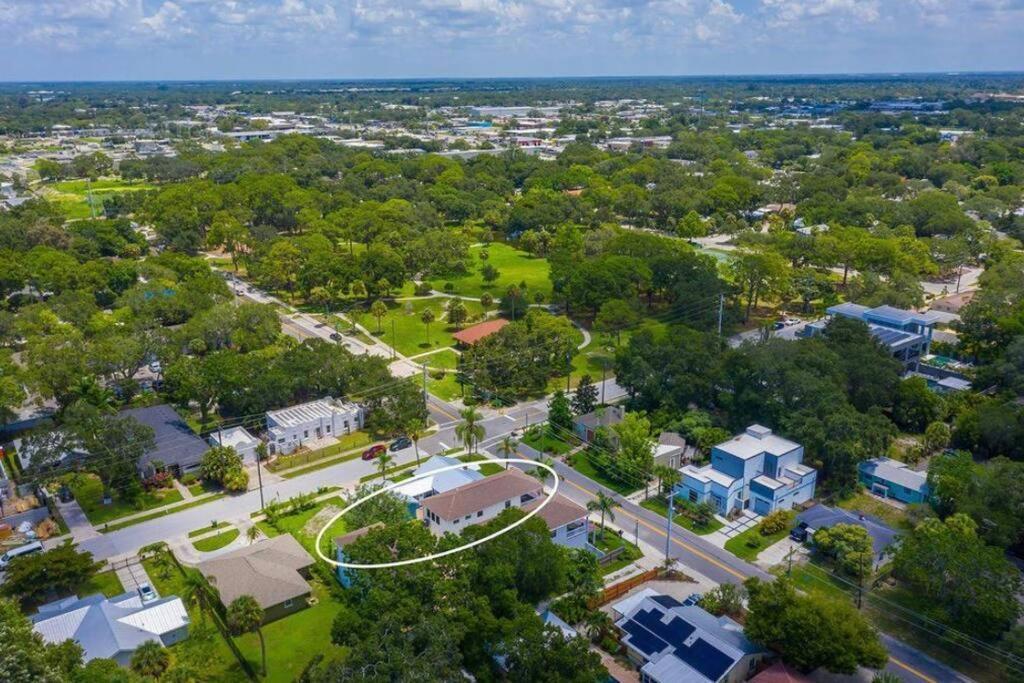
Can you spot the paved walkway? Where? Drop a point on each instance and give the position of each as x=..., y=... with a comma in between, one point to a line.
x=748, y=520
x=74, y=516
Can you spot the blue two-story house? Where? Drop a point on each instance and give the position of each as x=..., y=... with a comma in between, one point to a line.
x=755, y=470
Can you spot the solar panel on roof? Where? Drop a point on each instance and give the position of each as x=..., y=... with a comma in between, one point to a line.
x=642, y=639
x=674, y=632
x=666, y=601
x=705, y=658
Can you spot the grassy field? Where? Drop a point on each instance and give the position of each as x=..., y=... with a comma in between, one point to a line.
x=403, y=329
x=446, y=388
x=293, y=524
x=295, y=639
x=204, y=644
x=660, y=506
x=106, y=583
x=540, y=440
x=207, y=529
x=739, y=546
x=446, y=359
x=215, y=542
x=863, y=501
x=608, y=542
x=73, y=195
x=513, y=266
x=581, y=463
x=88, y=491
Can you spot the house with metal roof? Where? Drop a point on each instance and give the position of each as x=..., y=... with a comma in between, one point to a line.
x=907, y=334
x=112, y=628
x=415, y=491
x=755, y=470
x=290, y=428
x=671, y=642
x=178, y=448
x=894, y=479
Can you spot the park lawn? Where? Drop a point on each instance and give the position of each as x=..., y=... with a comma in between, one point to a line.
x=446, y=359
x=106, y=583
x=205, y=643
x=660, y=506
x=216, y=542
x=608, y=542
x=514, y=266
x=295, y=639
x=402, y=328
x=447, y=388
x=581, y=463
x=737, y=545
x=81, y=187
x=862, y=501
x=88, y=491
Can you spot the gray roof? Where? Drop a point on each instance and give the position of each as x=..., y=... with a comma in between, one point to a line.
x=896, y=472
x=823, y=517
x=176, y=443
x=671, y=439
x=602, y=417
x=268, y=571
x=105, y=627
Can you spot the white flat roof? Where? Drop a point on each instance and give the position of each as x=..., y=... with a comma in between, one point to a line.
x=313, y=411
x=234, y=437
x=755, y=441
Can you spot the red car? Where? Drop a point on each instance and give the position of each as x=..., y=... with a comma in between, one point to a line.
x=373, y=451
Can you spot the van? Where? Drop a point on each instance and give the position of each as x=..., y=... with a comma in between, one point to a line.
x=27, y=549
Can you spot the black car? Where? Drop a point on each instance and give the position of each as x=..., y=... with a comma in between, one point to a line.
x=799, y=533
x=335, y=336
x=400, y=443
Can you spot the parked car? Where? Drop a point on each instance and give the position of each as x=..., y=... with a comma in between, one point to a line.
x=374, y=451
x=335, y=337
x=693, y=599
x=789, y=321
x=400, y=443
x=778, y=325
x=147, y=593
x=799, y=533
x=20, y=551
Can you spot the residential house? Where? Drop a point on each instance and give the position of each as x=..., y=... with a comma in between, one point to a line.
x=415, y=491
x=894, y=479
x=671, y=642
x=568, y=521
x=273, y=572
x=239, y=438
x=178, y=449
x=882, y=535
x=480, y=501
x=780, y=673
x=907, y=334
x=290, y=428
x=112, y=628
x=343, y=573
x=755, y=470
x=585, y=426
x=672, y=451
x=56, y=441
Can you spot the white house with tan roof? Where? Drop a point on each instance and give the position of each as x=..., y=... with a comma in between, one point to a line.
x=480, y=501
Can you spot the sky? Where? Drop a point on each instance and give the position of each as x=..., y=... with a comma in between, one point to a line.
x=238, y=39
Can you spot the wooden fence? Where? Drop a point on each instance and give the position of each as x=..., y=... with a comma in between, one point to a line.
x=617, y=590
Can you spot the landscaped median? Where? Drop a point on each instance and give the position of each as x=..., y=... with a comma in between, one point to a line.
x=216, y=542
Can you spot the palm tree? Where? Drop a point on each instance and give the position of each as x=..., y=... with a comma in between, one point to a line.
x=426, y=318
x=470, y=431
x=378, y=310
x=414, y=431
x=541, y=473
x=246, y=616
x=199, y=592
x=151, y=659
x=382, y=465
x=598, y=624
x=604, y=504
x=252, y=534
x=507, y=447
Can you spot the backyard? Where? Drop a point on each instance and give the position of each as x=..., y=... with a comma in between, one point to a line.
x=513, y=267
x=864, y=502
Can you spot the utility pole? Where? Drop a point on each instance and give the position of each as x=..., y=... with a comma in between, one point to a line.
x=789, y=560
x=721, y=311
x=668, y=536
x=424, y=383
x=636, y=533
x=604, y=378
x=259, y=478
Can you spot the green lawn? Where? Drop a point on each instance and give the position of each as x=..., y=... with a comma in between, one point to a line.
x=738, y=546
x=447, y=388
x=862, y=501
x=88, y=491
x=347, y=442
x=206, y=529
x=608, y=542
x=295, y=639
x=106, y=583
x=205, y=644
x=445, y=359
x=679, y=517
x=155, y=515
x=202, y=487
x=811, y=578
x=294, y=523
x=486, y=468
x=73, y=195
x=215, y=542
x=542, y=441
x=403, y=329
x=581, y=463
x=513, y=266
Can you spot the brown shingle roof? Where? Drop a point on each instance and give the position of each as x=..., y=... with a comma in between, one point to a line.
x=472, y=335
x=559, y=512
x=268, y=571
x=352, y=536
x=478, y=495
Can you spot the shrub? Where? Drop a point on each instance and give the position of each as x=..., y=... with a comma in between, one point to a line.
x=449, y=287
x=753, y=542
x=776, y=521
x=236, y=480
x=189, y=479
x=160, y=480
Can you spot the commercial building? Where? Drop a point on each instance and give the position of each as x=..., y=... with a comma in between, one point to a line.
x=755, y=470
x=290, y=428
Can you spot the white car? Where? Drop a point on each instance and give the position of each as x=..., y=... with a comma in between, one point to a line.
x=147, y=593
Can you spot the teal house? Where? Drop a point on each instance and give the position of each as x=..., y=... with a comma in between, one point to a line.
x=893, y=479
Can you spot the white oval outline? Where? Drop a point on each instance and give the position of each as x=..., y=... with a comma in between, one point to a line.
x=435, y=556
